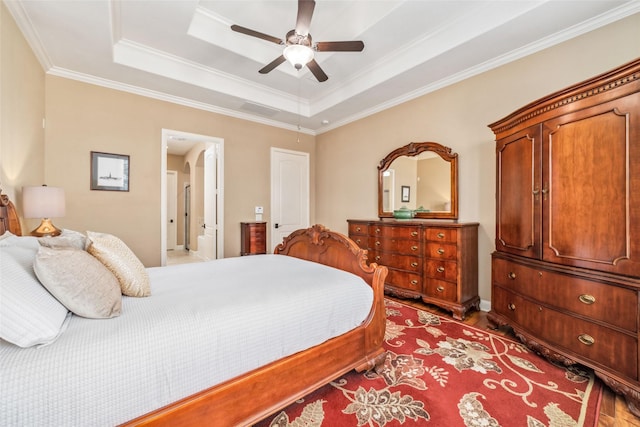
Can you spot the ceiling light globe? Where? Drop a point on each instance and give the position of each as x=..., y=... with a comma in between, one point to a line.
x=298, y=55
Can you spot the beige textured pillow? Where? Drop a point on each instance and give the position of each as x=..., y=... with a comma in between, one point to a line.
x=79, y=281
x=67, y=239
x=123, y=263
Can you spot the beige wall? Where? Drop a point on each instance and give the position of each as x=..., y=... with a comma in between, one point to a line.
x=21, y=112
x=457, y=116
x=83, y=118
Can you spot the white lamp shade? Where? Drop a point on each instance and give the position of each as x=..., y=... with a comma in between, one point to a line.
x=298, y=55
x=43, y=202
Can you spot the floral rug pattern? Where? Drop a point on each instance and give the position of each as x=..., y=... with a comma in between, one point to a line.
x=439, y=372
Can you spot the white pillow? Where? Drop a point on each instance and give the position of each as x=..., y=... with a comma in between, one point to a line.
x=123, y=263
x=79, y=281
x=9, y=239
x=66, y=239
x=29, y=315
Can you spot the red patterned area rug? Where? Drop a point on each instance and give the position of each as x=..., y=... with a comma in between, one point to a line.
x=439, y=372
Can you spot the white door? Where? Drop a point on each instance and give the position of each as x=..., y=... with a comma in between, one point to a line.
x=210, y=201
x=289, y=193
x=172, y=210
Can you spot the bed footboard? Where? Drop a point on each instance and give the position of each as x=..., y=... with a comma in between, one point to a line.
x=249, y=398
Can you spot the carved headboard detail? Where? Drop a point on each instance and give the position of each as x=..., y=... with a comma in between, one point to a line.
x=8, y=216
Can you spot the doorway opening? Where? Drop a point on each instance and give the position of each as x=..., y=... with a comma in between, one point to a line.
x=200, y=158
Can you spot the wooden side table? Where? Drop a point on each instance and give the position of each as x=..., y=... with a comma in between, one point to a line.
x=253, y=238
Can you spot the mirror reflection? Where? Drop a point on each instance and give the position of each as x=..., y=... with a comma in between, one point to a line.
x=421, y=177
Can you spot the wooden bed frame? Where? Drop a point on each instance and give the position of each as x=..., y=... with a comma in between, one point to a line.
x=255, y=395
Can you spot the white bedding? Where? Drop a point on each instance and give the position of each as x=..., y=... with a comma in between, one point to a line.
x=204, y=323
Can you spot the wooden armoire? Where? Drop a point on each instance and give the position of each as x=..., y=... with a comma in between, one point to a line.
x=566, y=270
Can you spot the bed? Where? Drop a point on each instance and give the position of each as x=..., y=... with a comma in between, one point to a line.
x=162, y=377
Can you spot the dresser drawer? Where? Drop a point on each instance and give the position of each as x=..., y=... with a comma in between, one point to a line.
x=449, y=235
x=402, y=262
x=358, y=228
x=442, y=270
x=597, y=343
x=395, y=231
x=440, y=289
x=401, y=246
x=585, y=297
x=361, y=240
x=445, y=251
x=404, y=280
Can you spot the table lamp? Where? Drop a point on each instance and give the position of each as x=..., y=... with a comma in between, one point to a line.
x=43, y=202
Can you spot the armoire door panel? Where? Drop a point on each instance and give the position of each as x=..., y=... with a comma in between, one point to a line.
x=518, y=193
x=586, y=212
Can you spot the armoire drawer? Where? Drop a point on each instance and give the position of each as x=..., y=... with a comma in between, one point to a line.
x=400, y=246
x=402, y=262
x=395, y=232
x=404, y=280
x=602, y=345
x=440, y=269
x=446, y=251
x=440, y=289
x=585, y=297
x=449, y=235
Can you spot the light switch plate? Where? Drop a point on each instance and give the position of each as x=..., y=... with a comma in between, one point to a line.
x=259, y=209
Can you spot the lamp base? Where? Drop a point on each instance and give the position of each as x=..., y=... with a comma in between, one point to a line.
x=46, y=228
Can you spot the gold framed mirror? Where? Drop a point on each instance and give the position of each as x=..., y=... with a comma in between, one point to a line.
x=421, y=177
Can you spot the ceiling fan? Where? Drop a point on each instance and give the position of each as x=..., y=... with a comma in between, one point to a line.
x=299, y=45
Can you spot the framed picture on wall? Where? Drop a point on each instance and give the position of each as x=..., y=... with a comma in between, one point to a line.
x=109, y=172
x=405, y=193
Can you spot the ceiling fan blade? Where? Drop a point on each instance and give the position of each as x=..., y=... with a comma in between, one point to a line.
x=273, y=64
x=252, y=33
x=351, y=46
x=317, y=71
x=305, y=13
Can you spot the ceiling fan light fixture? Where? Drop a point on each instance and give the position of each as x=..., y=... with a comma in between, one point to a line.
x=298, y=55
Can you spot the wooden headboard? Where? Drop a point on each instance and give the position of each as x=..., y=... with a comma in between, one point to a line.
x=9, y=216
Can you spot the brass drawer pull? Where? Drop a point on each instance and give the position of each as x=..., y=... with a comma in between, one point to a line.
x=377, y=230
x=511, y=306
x=586, y=339
x=378, y=243
x=414, y=282
x=358, y=229
x=511, y=275
x=440, y=289
x=440, y=235
x=440, y=251
x=414, y=264
x=377, y=257
x=587, y=299
x=414, y=248
x=358, y=241
x=440, y=269
x=414, y=233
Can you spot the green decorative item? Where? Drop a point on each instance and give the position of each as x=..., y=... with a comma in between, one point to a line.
x=403, y=213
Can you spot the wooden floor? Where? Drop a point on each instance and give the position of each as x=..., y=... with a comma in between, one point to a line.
x=613, y=408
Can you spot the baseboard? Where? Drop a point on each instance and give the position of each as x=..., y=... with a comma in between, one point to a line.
x=485, y=305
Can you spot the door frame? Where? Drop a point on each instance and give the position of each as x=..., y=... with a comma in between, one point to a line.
x=194, y=138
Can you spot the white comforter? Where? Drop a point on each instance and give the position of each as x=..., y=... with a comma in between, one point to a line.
x=204, y=323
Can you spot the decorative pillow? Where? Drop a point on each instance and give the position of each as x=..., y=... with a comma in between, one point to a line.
x=66, y=239
x=123, y=263
x=29, y=315
x=79, y=281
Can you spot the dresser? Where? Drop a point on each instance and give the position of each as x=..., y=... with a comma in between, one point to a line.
x=253, y=238
x=566, y=270
x=436, y=261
